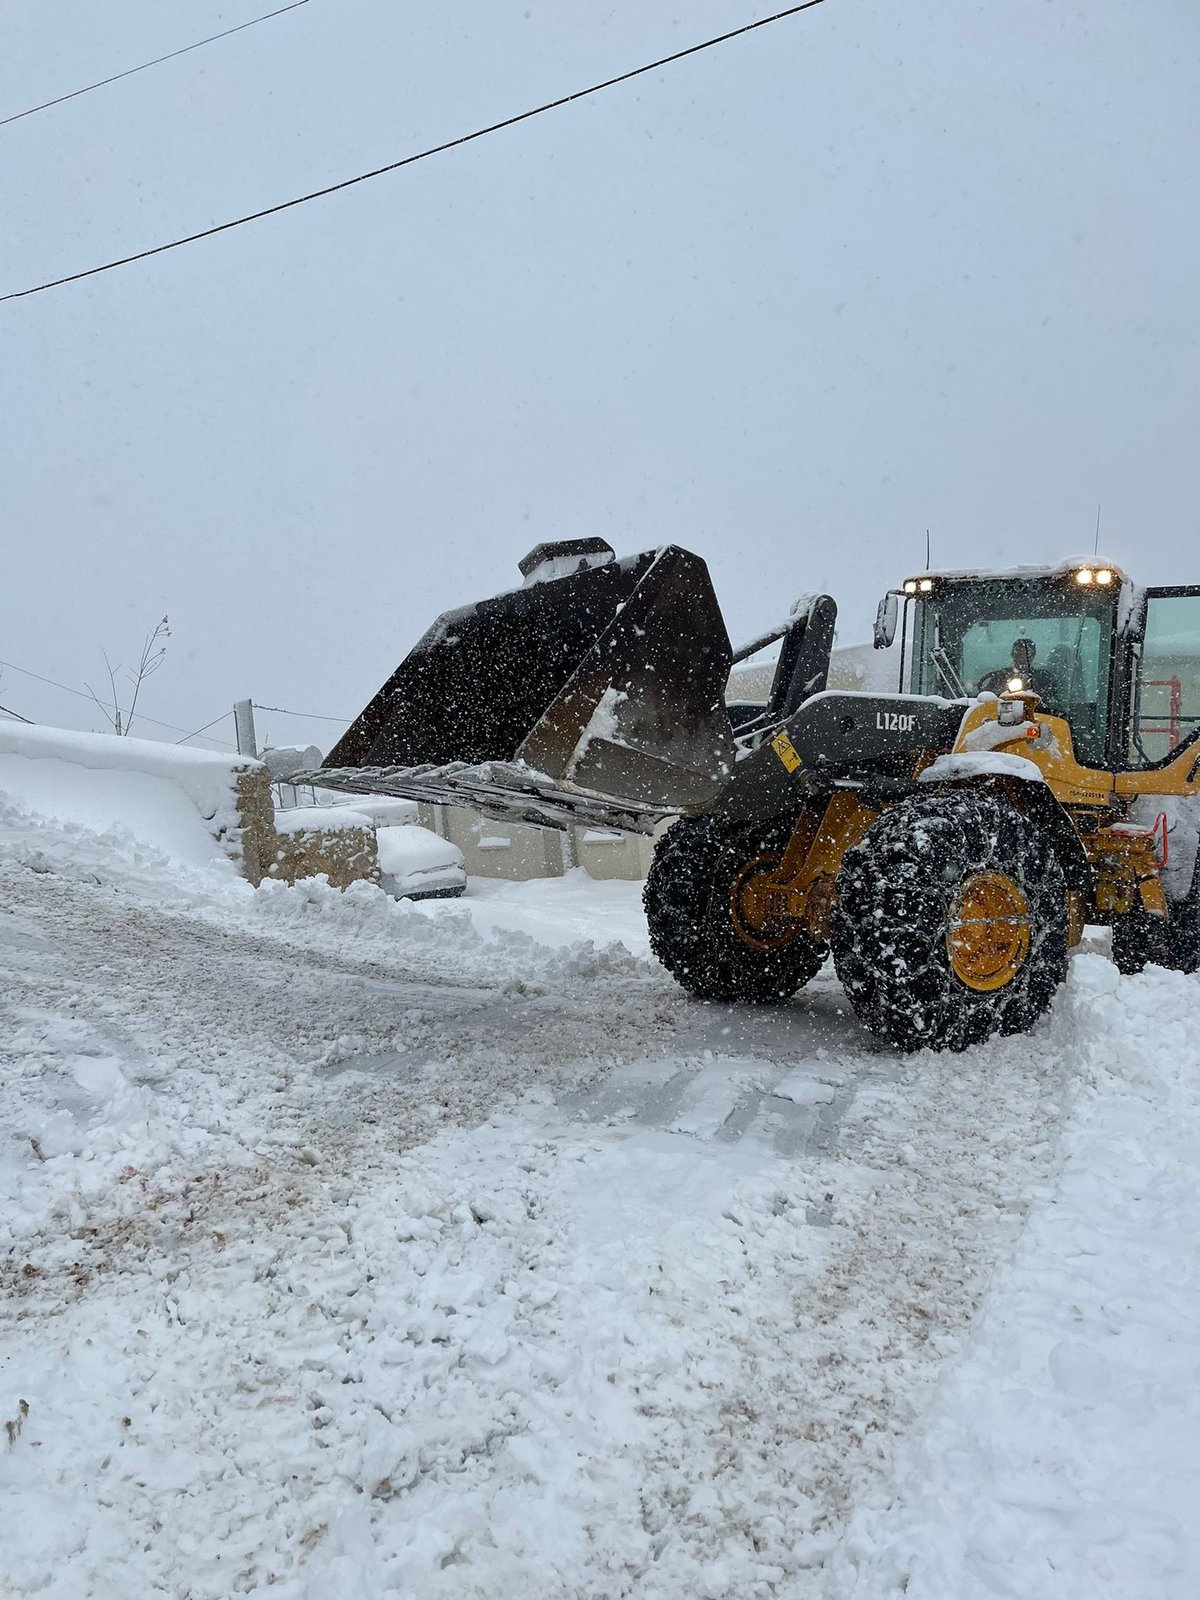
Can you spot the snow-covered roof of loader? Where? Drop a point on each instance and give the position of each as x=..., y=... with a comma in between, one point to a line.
x=1056, y=569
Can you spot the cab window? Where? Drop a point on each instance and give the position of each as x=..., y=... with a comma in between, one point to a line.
x=979, y=637
x=1165, y=710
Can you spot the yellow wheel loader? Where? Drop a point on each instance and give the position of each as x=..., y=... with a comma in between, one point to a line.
x=1037, y=769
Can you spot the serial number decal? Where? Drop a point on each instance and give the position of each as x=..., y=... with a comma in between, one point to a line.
x=786, y=751
x=895, y=721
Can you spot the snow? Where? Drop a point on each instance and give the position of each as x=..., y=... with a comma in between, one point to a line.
x=137, y=804
x=324, y=819
x=981, y=764
x=1183, y=836
x=602, y=724
x=385, y=811
x=1060, y=1457
x=993, y=734
x=176, y=799
x=408, y=848
x=559, y=911
x=1057, y=569
x=107, y=751
x=352, y=1247
x=871, y=694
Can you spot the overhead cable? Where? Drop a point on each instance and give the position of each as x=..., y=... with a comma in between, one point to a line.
x=16, y=716
x=141, y=717
x=196, y=734
x=421, y=155
x=129, y=71
x=310, y=716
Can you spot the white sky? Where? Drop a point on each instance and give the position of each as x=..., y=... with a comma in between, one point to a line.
x=880, y=267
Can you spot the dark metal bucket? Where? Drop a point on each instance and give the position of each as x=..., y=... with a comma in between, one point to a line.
x=606, y=682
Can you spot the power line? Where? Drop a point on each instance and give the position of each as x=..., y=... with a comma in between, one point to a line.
x=129, y=72
x=311, y=716
x=67, y=689
x=205, y=729
x=16, y=715
x=421, y=155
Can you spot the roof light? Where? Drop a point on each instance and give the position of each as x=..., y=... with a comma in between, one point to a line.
x=910, y=586
x=1084, y=575
x=925, y=585
x=1015, y=685
x=1104, y=576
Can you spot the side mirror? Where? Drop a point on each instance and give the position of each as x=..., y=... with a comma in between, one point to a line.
x=885, y=620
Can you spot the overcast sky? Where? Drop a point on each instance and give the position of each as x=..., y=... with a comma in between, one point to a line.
x=881, y=267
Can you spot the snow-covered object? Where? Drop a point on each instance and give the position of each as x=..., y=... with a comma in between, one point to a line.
x=415, y=861
x=175, y=799
x=992, y=734
x=981, y=764
x=384, y=810
x=1183, y=836
x=1053, y=569
x=320, y=819
x=866, y=694
x=283, y=761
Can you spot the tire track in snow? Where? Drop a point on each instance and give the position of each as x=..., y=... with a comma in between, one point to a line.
x=532, y=1353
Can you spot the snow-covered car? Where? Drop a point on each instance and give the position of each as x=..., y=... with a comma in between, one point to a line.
x=415, y=864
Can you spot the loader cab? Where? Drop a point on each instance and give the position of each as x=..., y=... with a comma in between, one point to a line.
x=1120, y=665
x=1052, y=630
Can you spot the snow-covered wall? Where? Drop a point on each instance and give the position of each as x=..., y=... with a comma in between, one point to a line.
x=176, y=799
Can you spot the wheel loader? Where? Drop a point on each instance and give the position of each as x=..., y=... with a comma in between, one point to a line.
x=1036, y=769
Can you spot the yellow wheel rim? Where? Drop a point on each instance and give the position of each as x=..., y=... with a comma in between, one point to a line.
x=758, y=905
x=988, y=934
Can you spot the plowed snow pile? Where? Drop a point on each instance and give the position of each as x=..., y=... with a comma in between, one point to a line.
x=350, y=1248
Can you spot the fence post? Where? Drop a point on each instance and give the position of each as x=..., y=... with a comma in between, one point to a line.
x=243, y=722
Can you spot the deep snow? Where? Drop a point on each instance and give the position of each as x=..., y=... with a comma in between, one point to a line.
x=357, y=1248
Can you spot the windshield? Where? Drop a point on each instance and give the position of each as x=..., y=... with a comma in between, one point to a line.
x=974, y=637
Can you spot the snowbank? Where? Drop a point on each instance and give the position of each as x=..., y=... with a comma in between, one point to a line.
x=180, y=802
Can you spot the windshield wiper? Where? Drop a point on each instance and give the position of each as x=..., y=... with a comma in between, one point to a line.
x=950, y=678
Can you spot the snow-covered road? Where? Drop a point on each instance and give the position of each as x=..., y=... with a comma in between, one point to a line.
x=353, y=1248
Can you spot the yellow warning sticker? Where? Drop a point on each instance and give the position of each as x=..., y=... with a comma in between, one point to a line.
x=786, y=751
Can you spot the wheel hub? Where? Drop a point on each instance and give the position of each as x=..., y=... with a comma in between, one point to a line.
x=988, y=934
x=759, y=905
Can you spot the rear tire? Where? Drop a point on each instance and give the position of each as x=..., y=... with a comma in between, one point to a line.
x=1173, y=941
x=689, y=898
x=951, y=921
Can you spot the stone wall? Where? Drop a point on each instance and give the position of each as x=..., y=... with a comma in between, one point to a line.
x=344, y=855
x=257, y=840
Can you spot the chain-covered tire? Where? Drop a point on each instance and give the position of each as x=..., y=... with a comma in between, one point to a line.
x=951, y=921
x=1172, y=941
x=692, y=911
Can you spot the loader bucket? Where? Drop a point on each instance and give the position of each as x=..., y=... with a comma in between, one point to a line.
x=606, y=682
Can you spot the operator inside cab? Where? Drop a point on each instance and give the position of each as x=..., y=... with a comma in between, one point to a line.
x=1022, y=674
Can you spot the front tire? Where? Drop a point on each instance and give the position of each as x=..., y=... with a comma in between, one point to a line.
x=691, y=898
x=951, y=921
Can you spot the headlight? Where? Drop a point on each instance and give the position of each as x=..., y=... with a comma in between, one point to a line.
x=910, y=586
x=1104, y=576
x=1015, y=685
x=1084, y=575
x=925, y=585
